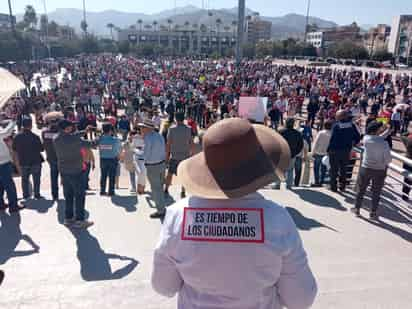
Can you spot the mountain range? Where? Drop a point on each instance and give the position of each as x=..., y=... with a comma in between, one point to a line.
x=290, y=25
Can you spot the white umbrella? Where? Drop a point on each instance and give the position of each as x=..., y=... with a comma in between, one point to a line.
x=9, y=85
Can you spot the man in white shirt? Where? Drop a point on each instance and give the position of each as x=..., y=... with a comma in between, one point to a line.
x=228, y=247
x=6, y=171
x=319, y=151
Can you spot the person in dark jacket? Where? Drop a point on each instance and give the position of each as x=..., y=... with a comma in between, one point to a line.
x=295, y=141
x=68, y=147
x=344, y=136
x=407, y=141
x=28, y=147
x=48, y=136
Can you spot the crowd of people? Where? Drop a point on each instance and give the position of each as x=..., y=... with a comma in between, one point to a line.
x=150, y=118
x=126, y=107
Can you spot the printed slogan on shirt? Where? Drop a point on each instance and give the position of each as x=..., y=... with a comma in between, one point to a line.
x=223, y=225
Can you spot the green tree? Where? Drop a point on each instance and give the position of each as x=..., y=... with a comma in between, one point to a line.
x=53, y=28
x=382, y=55
x=110, y=26
x=124, y=47
x=89, y=44
x=43, y=24
x=264, y=49
x=84, y=26
x=249, y=50
x=348, y=50
x=30, y=17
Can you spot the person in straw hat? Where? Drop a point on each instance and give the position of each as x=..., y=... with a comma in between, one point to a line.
x=227, y=246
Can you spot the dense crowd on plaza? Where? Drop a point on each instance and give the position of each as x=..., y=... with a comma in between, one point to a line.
x=149, y=117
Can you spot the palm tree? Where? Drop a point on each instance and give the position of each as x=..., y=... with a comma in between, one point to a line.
x=110, y=26
x=170, y=22
x=155, y=24
x=234, y=27
x=140, y=22
x=13, y=26
x=218, y=23
x=210, y=14
x=195, y=27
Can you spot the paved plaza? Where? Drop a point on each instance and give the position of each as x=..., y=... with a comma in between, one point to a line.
x=358, y=264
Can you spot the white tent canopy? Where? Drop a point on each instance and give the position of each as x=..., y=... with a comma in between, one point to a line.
x=9, y=85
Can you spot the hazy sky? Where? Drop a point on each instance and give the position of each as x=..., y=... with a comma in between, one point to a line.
x=340, y=11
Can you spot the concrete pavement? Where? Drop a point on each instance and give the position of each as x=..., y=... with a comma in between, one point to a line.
x=358, y=264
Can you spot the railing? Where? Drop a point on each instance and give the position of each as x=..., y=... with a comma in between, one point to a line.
x=398, y=170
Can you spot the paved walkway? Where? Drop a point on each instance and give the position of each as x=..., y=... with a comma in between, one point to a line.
x=358, y=264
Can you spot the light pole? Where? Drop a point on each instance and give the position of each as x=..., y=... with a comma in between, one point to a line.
x=47, y=29
x=13, y=27
x=307, y=21
x=240, y=32
x=84, y=16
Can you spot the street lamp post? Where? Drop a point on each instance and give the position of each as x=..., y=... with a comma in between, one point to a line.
x=13, y=26
x=307, y=22
x=240, y=32
x=47, y=30
x=84, y=16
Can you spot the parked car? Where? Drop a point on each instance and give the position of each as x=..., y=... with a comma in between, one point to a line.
x=331, y=61
x=349, y=62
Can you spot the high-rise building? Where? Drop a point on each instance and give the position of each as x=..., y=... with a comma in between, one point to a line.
x=323, y=38
x=400, y=41
x=377, y=38
x=257, y=29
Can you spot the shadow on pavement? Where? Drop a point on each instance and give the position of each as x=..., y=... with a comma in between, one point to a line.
x=127, y=202
x=169, y=200
x=11, y=235
x=60, y=211
x=390, y=206
x=318, y=198
x=94, y=262
x=393, y=229
x=41, y=206
x=305, y=223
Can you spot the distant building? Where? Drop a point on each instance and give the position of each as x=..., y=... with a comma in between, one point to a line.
x=377, y=38
x=400, y=41
x=5, y=21
x=182, y=41
x=257, y=29
x=323, y=38
x=315, y=38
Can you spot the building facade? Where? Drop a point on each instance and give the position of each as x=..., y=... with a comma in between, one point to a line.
x=5, y=23
x=257, y=29
x=182, y=41
x=377, y=38
x=400, y=41
x=323, y=38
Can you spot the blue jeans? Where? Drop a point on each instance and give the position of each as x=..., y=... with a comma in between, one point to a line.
x=108, y=169
x=319, y=170
x=132, y=180
x=74, y=194
x=54, y=180
x=7, y=184
x=289, y=173
x=35, y=172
